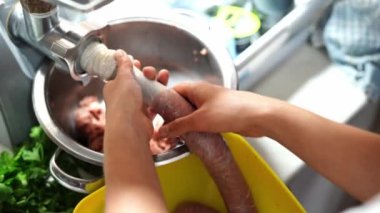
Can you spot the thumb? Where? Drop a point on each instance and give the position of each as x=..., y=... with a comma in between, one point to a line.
x=181, y=126
x=124, y=65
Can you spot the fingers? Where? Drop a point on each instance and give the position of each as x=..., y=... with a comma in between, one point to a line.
x=174, y=128
x=124, y=65
x=137, y=63
x=189, y=91
x=198, y=92
x=184, y=89
x=181, y=126
x=151, y=73
x=163, y=76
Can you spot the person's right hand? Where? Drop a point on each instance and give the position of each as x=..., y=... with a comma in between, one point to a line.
x=220, y=110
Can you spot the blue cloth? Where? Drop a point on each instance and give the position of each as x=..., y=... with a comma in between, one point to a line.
x=352, y=38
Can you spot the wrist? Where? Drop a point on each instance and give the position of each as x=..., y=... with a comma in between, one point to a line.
x=117, y=113
x=281, y=119
x=267, y=116
x=135, y=120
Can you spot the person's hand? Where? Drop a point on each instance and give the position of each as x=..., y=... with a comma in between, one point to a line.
x=219, y=110
x=128, y=130
x=151, y=73
x=157, y=144
x=123, y=95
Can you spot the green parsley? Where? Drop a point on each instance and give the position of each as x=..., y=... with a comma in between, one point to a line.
x=25, y=182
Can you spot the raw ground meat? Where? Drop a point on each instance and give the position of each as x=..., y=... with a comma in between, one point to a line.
x=90, y=124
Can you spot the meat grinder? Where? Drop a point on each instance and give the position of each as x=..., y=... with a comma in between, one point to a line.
x=31, y=34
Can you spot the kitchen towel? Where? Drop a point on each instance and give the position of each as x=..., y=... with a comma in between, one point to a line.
x=352, y=38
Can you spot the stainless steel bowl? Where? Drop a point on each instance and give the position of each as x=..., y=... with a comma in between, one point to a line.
x=188, y=53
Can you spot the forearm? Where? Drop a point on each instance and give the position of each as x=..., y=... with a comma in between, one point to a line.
x=131, y=179
x=348, y=156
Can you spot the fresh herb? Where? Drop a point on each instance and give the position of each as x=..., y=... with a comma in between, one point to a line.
x=25, y=182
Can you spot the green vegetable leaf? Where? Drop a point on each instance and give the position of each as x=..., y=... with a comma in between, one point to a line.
x=35, y=132
x=25, y=181
x=21, y=192
x=22, y=178
x=33, y=155
x=7, y=169
x=37, y=173
x=5, y=192
x=19, y=153
x=5, y=158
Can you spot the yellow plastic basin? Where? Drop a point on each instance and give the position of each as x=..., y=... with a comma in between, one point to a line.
x=188, y=180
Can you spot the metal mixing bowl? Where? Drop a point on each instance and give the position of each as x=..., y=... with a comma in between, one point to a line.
x=187, y=53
